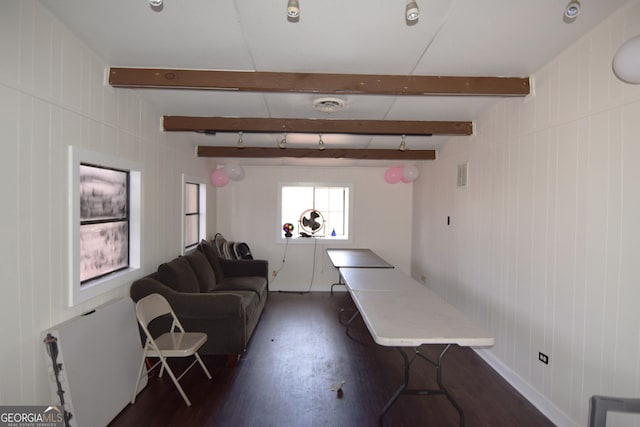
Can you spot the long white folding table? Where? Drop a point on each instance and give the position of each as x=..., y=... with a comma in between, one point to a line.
x=401, y=312
x=354, y=258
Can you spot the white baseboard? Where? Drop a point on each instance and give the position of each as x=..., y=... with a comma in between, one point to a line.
x=543, y=404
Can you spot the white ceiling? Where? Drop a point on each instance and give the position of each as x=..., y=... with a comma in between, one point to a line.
x=453, y=37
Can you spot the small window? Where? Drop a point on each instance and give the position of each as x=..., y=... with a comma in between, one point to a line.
x=316, y=210
x=193, y=212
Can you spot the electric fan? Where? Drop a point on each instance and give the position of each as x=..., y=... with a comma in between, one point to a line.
x=311, y=221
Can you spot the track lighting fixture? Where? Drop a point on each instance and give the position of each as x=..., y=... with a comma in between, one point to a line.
x=240, y=140
x=321, y=143
x=412, y=12
x=403, y=144
x=283, y=142
x=293, y=9
x=572, y=10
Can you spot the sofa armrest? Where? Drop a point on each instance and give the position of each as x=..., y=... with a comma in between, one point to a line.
x=190, y=305
x=245, y=267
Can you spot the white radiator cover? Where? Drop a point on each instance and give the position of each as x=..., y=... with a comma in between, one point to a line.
x=100, y=353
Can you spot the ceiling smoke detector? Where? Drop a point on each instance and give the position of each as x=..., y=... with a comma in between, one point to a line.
x=328, y=105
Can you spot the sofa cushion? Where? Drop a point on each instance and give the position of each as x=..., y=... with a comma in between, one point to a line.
x=204, y=271
x=247, y=283
x=212, y=256
x=178, y=275
x=251, y=304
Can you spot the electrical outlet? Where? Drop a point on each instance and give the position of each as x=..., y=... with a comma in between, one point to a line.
x=543, y=358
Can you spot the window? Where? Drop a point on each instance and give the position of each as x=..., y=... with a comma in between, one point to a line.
x=331, y=201
x=105, y=194
x=193, y=212
x=104, y=221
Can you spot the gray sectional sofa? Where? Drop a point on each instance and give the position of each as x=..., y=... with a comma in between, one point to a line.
x=223, y=298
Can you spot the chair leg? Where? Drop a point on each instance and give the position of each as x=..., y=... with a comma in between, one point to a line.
x=204, y=368
x=135, y=389
x=175, y=381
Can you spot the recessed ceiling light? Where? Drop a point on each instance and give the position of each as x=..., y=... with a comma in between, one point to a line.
x=412, y=12
x=572, y=10
x=155, y=3
x=293, y=9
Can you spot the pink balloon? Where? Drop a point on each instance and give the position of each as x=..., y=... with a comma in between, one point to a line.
x=393, y=175
x=219, y=178
x=405, y=180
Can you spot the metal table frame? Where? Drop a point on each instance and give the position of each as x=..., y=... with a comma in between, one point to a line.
x=403, y=389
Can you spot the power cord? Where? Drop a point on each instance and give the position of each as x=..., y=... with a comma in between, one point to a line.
x=313, y=269
x=284, y=258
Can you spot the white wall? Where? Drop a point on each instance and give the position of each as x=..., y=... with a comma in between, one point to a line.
x=544, y=244
x=247, y=211
x=52, y=96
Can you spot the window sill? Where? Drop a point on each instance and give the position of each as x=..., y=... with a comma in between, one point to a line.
x=312, y=240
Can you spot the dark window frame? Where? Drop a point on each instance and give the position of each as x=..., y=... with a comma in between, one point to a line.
x=126, y=219
x=197, y=214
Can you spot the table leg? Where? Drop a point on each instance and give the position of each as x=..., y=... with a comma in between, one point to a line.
x=400, y=390
x=356, y=314
x=340, y=282
x=404, y=390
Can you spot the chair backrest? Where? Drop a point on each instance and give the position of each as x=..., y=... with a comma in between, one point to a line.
x=151, y=307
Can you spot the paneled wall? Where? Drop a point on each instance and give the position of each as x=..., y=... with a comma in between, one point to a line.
x=543, y=245
x=51, y=96
x=248, y=209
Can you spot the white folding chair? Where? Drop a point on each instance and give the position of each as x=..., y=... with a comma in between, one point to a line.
x=175, y=343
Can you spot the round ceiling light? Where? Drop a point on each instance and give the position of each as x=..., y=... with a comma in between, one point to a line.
x=328, y=105
x=626, y=62
x=572, y=10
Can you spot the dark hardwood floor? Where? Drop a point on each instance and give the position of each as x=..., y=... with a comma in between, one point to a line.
x=299, y=351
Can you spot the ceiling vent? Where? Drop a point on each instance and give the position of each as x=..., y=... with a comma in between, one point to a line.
x=328, y=105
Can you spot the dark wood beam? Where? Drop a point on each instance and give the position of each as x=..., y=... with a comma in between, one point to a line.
x=329, y=153
x=319, y=126
x=364, y=84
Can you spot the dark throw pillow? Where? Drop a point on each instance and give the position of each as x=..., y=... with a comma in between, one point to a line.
x=203, y=270
x=178, y=275
x=212, y=256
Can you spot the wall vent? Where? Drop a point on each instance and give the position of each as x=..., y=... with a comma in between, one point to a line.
x=462, y=174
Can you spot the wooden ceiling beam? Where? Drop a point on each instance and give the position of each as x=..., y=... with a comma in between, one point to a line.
x=363, y=84
x=329, y=153
x=318, y=126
